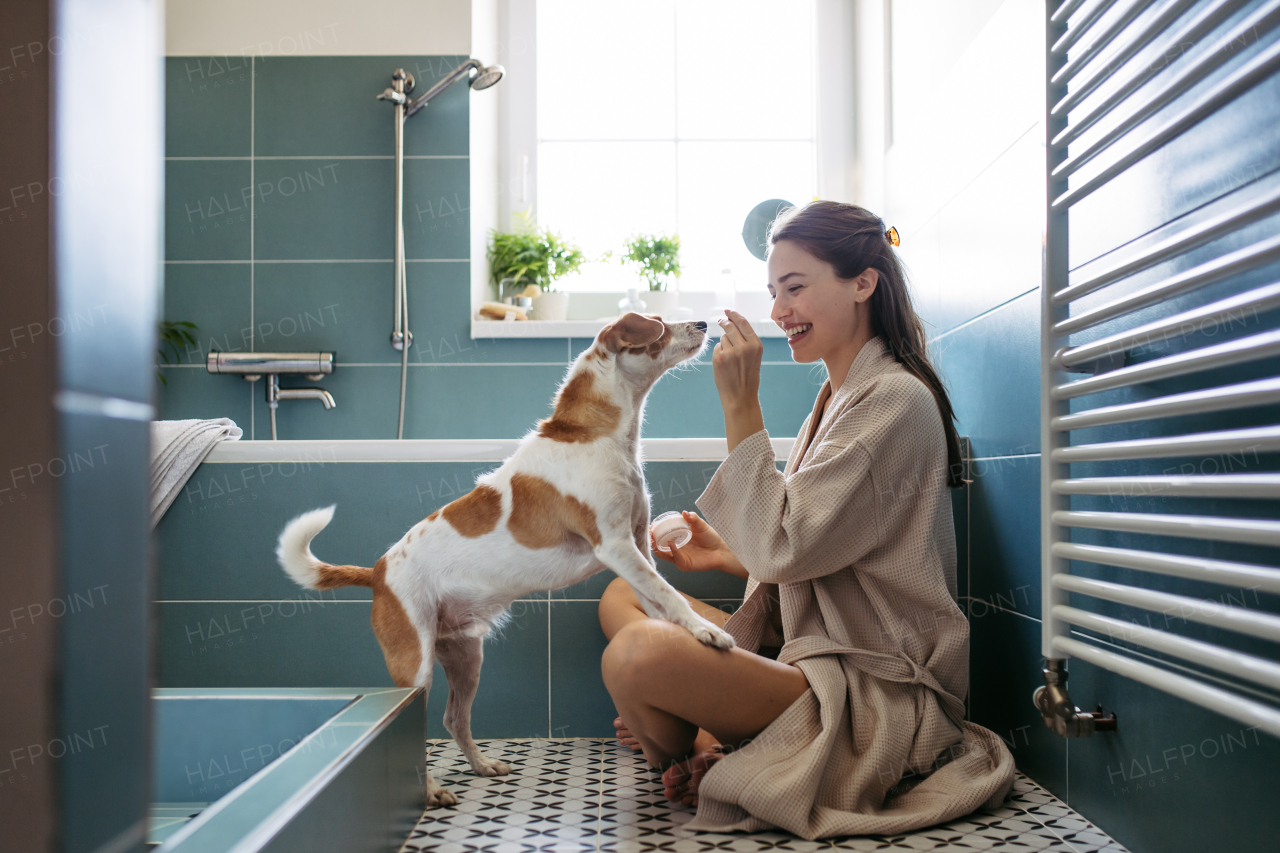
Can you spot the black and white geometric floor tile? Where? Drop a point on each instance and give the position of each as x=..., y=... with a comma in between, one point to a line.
x=594, y=796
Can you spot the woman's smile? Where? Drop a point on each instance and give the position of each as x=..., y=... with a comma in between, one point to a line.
x=797, y=332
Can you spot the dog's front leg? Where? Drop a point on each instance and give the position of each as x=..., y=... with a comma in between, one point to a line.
x=461, y=658
x=659, y=598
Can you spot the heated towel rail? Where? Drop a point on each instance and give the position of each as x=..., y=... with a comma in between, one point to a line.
x=1160, y=403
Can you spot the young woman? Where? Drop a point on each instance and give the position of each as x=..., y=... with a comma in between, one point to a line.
x=841, y=711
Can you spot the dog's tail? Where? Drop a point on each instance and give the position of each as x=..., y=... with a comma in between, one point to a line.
x=294, y=553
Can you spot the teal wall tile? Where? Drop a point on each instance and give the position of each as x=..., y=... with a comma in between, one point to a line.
x=324, y=209
x=1004, y=534
x=341, y=308
x=191, y=392
x=580, y=704
x=1004, y=670
x=991, y=368
x=366, y=403
x=437, y=208
x=216, y=297
x=296, y=643
x=1174, y=777
x=327, y=105
x=376, y=504
x=207, y=210
x=511, y=701
x=343, y=209
x=452, y=402
x=207, y=111
x=685, y=403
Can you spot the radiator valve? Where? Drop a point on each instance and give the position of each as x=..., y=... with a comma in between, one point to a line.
x=1059, y=713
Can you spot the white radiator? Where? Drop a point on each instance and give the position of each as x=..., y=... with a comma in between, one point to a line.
x=1110, y=104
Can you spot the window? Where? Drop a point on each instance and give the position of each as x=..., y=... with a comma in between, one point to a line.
x=672, y=117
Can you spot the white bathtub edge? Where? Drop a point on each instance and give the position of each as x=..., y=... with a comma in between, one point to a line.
x=450, y=450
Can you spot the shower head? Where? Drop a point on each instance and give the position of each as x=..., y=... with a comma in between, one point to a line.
x=484, y=77
x=487, y=77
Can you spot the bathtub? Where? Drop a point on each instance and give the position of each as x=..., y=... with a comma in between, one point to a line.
x=278, y=769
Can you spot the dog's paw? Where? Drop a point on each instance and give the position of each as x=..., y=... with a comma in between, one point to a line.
x=711, y=635
x=441, y=797
x=491, y=767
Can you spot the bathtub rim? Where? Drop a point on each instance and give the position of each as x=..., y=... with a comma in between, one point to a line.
x=452, y=450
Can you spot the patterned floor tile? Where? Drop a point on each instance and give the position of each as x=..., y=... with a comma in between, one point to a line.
x=594, y=796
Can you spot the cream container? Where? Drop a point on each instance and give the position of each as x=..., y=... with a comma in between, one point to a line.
x=670, y=530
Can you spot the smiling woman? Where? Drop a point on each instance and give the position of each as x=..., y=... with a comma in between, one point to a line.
x=843, y=552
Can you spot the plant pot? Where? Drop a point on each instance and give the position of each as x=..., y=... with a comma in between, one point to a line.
x=661, y=302
x=552, y=305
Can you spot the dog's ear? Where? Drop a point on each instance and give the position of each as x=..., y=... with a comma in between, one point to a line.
x=630, y=331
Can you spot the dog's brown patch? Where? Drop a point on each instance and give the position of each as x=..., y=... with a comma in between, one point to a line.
x=581, y=414
x=400, y=643
x=543, y=517
x=332, y=577
x=433, y=516
x=475, y=513
x=633, y=332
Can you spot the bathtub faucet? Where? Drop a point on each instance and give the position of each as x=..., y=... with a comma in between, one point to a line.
x=275, y=393
x=253, y=366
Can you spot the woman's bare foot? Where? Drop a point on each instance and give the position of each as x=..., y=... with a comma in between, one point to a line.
x=680, y=781
x=625, y=737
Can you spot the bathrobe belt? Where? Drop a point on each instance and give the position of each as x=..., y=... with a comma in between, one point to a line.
x=886, y=667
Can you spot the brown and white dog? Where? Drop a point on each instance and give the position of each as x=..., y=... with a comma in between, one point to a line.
x=570, y=502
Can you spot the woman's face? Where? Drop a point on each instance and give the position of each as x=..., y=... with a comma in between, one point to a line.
x=811, y=299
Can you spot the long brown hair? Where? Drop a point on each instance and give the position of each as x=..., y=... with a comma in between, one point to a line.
x=852, y=239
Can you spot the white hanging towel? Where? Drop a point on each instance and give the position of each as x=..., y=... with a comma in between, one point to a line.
x=177, y=449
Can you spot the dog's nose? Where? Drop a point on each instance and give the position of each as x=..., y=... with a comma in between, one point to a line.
x=702, y=325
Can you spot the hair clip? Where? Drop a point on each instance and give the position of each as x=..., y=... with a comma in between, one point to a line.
x=892, y=236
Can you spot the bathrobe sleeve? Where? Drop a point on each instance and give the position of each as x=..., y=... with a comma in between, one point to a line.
x=827, y=514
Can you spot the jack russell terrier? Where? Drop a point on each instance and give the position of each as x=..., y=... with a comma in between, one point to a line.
x=570, y=502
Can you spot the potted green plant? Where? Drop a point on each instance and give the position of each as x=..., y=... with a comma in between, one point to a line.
x=536, y=256
x=657, y=258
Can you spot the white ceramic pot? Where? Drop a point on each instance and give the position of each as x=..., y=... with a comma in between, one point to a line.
x=552, y=305
x=661, y=302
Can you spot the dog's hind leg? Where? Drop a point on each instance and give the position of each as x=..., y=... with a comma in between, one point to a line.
x=461, y=657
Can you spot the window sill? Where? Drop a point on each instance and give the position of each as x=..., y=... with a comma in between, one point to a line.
x=576, y=329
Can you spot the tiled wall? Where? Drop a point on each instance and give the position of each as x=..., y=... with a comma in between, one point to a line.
x=279, y=236
x=1174, y=777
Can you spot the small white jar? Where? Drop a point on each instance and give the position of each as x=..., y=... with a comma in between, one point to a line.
x=671, y=531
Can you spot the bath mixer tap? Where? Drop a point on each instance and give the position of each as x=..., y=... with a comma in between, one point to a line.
x=254, y=365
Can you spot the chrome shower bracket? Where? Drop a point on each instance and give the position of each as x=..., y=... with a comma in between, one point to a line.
x=1059, y=713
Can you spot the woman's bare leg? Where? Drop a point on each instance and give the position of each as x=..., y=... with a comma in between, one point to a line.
x=667, y=686
x=619, y=606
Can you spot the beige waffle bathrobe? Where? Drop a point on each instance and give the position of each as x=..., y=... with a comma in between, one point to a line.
x=857, y=535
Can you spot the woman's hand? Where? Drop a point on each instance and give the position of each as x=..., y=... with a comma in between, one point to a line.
x=704, y=552
x=736, y=364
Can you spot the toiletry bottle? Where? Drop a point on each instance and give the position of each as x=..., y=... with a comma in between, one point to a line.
x=631, y=302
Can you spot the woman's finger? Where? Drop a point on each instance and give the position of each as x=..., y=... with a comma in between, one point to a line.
x=741, y=325
x=729, y=332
